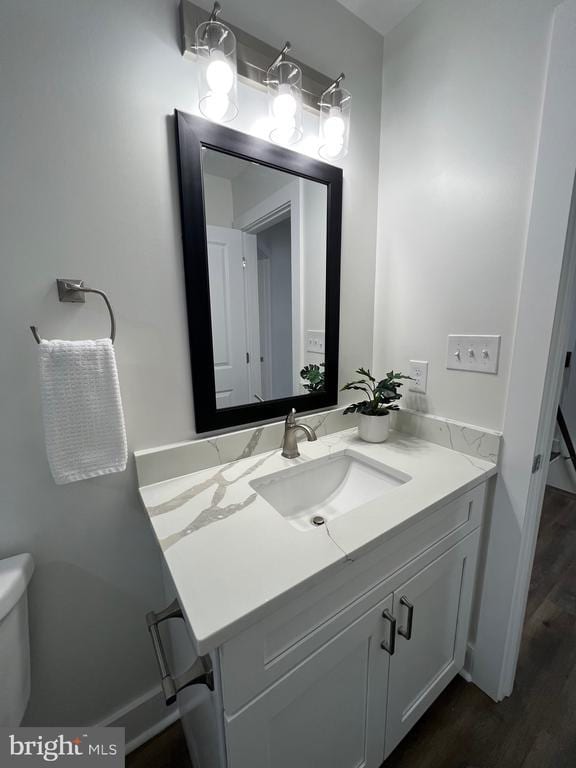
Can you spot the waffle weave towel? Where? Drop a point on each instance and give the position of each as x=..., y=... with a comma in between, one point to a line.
x=81, y=409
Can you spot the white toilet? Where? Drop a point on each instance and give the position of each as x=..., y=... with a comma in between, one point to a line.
x=15, y=573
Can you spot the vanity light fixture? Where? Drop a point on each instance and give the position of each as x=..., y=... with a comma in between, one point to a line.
x=217, y=74
x=224, y=53
x=284, y=81
x=335, y=105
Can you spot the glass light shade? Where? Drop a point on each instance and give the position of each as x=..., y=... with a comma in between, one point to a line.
x=217, y=77
x=335, y=106
x=285, y=102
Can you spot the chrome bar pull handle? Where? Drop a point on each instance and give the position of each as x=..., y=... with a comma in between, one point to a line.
x=389, y=646
x=407, y=633
x=200, y=673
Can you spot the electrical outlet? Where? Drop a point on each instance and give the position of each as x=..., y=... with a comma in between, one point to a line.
x=418, y=370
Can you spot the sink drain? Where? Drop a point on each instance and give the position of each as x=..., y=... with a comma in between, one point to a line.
x=318, y=520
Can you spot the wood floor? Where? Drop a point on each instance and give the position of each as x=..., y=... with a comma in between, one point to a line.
x=535, y=727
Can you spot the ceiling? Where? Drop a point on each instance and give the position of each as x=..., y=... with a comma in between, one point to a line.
x=220, y=164
x=382, y=15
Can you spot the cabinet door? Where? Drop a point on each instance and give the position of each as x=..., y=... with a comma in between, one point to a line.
x=439, y=600
x=329, y=712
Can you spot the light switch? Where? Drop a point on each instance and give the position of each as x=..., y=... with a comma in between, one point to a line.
x=315, y=341
x=473, y=353
x=418, y=370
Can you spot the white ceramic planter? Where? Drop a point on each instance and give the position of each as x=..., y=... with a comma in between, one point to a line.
x=373, y=429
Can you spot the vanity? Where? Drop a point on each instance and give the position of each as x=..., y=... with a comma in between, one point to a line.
x=317, y=644
x=318, y=597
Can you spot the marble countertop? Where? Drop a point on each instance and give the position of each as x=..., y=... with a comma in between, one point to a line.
x=233, y=557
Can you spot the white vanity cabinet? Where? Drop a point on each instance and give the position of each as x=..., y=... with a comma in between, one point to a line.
x=338, y=676
x=351, y=701
x=329, y=711
x=433, y=615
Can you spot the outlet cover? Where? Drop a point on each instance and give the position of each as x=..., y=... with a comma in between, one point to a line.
x=473, y=353
x=418, y=370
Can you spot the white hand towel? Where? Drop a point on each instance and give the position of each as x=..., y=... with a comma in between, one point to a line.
x=81, y=409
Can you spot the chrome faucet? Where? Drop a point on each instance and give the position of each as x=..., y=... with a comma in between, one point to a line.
x=289, y=444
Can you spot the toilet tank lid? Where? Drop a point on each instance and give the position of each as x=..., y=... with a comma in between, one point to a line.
x=15, y=573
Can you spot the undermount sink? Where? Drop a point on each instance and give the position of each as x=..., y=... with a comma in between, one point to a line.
x=321, y=490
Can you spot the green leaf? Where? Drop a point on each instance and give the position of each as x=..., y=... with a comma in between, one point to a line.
x=366, y=372
x=379, y=395
x=314, y=376
x=357, y=387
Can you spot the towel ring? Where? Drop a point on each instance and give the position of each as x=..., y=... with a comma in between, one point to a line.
x=73, y=291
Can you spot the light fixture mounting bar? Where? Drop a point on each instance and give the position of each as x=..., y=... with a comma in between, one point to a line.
x=253, y=55
x=281, y=55
x=216, y=10
x=335, y=83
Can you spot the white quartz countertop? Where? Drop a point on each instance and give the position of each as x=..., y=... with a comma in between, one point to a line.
x=233, y=557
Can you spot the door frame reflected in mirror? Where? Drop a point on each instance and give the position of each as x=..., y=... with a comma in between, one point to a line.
x=193, y=134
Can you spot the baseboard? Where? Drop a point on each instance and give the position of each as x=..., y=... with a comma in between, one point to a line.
x=143, y=718
x=561, y=475
x=569, y=494
x=466, y=672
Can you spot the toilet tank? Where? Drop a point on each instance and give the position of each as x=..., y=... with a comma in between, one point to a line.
x=15, y=573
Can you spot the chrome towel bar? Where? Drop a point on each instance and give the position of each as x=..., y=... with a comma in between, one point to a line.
x=73, y=291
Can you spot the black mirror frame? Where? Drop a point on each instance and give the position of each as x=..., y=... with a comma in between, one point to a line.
x=192, y=134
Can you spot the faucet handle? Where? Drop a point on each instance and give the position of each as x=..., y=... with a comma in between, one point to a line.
x=291, y=418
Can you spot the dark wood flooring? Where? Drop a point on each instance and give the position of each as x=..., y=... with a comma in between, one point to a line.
x=535, y=727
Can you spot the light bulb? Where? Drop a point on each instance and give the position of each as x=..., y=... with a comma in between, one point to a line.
x=215, y=105
x=284, y=105
x=331, y=150
x=284, y=131
x=334, y=127
x=219, y=74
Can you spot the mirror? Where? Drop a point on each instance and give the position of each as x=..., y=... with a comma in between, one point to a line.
x=266, y=237
x=261, y=231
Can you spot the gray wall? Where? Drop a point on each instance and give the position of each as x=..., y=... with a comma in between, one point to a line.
x=568, y=399
x=89, y=191
x=314, y=223
x=462, y=95
x=218, y=201
x=275, y=245
x=256, y=184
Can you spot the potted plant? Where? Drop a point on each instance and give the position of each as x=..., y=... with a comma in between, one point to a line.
x=374, y=410
x=314, y=377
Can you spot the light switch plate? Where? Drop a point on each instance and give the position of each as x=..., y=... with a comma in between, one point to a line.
x=473, y=353
x=418, y=370
x=315, y=341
